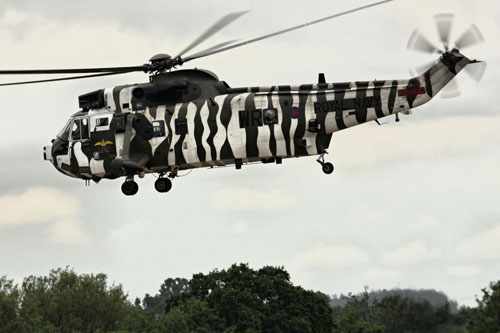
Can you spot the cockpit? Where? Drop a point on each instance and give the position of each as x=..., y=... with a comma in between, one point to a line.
x=75, y=130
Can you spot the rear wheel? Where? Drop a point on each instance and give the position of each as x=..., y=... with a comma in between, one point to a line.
x=163, y=185
x=327, y=168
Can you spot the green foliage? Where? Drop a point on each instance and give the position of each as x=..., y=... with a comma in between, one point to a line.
x=394, y=313
x=244, y=300
x=155, y=305
x=9, y=305
x=238, y=299
x=434, y=297
x=399, y=314
x=193, y=315
x=62, y=302
x=486, y=317
x=356, y=316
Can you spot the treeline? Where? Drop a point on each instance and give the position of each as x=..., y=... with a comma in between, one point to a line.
x=434, y=297
x=238, y=299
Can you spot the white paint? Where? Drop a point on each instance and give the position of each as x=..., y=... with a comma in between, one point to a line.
x=109, y=100
x=264, y=132
x=278, y=132
x=206, y=130
x=238, y=141
x=97, y=167
x=81, y=158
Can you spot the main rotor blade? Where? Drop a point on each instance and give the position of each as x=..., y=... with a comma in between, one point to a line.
x=212, y=30
x=476, y=70
x=470, y=37
x=118, y=70
x=444, y=23
x=188, y=58
x=418, y=42
x=213, y=48
x=62, y=78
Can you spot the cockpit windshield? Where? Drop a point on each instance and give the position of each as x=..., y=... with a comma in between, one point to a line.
x=64, y=134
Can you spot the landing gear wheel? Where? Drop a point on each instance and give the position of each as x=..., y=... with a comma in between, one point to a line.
x=327, y=168
x=163, y=185
x=130, y=187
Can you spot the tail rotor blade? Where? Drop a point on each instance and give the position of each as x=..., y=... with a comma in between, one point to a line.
x=451, y=90
x=444, y=23
x=470, y=37
x=420, y=43
x=424, y=68
x=476, y=70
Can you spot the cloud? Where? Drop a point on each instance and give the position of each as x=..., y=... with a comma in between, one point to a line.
x=46, y=206
x=464, y=271
x=411, y=253
x=239, y=228
x=322, y=256
x=381, y=277
x=251, y=199
x=484, y=245
x=405, y=140
x=424, y=223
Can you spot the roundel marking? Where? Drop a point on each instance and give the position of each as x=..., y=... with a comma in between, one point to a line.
x=294, y=112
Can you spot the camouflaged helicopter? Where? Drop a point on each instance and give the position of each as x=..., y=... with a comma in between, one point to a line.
x=185, y=119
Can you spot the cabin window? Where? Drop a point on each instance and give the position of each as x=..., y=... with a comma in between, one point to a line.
x=158, y=128
x=270, y=116
x=102, y=122
x=85, y=128
x=181, y=126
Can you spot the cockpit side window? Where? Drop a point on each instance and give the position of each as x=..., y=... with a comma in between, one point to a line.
x=64, y=134
x=80, y=129
x=75, y=130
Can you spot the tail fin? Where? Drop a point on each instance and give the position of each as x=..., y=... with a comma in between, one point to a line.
x=440, y=74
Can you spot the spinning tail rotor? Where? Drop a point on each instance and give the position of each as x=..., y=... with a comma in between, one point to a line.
x=470, y=37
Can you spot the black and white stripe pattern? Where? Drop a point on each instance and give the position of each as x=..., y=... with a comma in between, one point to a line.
x=216, y=137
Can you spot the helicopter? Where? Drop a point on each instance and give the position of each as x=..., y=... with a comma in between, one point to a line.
x=187, y=118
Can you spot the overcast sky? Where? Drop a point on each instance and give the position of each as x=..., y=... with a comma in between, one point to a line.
x=410, y=204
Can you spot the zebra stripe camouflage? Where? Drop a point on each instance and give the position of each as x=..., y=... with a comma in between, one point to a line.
x=225, y=126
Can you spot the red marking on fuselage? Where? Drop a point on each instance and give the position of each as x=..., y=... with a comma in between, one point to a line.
x=412, y=91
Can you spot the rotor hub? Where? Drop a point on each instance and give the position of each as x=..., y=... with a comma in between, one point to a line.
x=160, y=57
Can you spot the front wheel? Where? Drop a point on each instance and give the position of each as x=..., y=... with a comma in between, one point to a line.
x=130, y=187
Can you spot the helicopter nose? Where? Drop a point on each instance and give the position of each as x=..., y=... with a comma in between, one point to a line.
x=47, y=154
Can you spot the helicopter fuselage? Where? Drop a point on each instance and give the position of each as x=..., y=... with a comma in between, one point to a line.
x=190, y=119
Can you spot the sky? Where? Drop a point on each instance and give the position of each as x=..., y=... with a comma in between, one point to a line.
x=412, y=204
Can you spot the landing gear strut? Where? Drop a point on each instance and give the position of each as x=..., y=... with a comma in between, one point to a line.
x=129, y=187
x=327, y=167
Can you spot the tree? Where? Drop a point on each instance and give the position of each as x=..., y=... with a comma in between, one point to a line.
x=67, y=302
x=356, y=315
x=155, y=305
x=402, y=314
x=9, y=305
x=245, y=300
x=486, y=317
